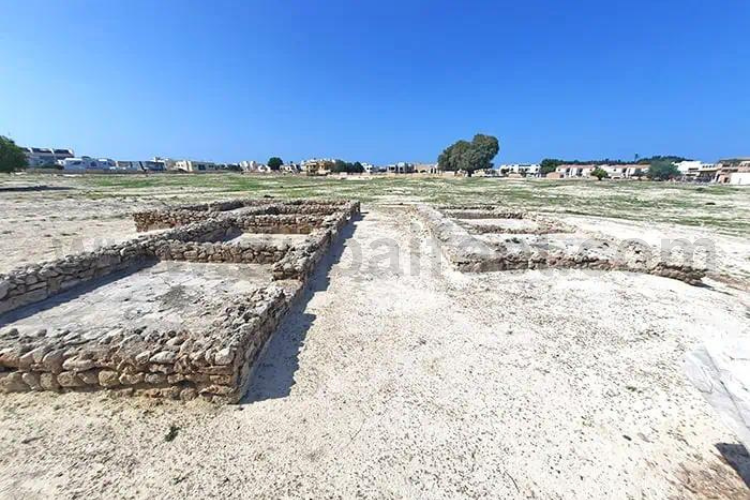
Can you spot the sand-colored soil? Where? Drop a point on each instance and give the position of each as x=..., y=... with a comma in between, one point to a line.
x=400, y=378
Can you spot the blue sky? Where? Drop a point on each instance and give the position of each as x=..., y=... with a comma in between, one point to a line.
x=377, y=81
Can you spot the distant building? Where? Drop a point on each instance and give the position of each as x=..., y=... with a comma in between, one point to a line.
x=194, y=166
x=524, y=169
x=249, y=165
x=317, y=166
x=41, y=157
x=73, y=163
x=142, y=166
x=426, y=168
x=401, y=167
x=727, y=168
x=87, y=163
x=169, y=163
x=253, y=167
x=371, y=169
x=106, y=164
x=573, y=170
x=739, y=178
x=614, y=171
x=290, y=168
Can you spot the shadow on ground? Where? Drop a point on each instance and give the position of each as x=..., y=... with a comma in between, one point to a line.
x=24, y=189
x=274, y=375
x=738, y=458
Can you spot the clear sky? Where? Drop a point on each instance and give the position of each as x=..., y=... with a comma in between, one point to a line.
x=377, y=81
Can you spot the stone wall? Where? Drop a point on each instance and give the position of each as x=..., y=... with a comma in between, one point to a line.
x=299, y=262
x=241, y=253
x=185, y=214
x=469, y=253
x=30, y=284
x=175, y=364
x=214, y=364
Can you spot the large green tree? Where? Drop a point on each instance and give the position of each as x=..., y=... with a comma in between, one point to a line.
x=469, y=156
x=662, y=170
x=12, y=157
x=275, y=163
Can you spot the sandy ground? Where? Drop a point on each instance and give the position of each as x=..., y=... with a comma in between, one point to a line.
x=49, y=224
x=399, y=378
x=729, y=256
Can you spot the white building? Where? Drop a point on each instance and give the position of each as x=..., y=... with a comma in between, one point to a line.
x=401, y=167
x=143, y=166
x=40, y=157
x=525, y=169
x=106, y=164
x=253, y=167
x=616, y=171
x=694, y=169
x=371, y=169
x=87, y=163
x=739, y=178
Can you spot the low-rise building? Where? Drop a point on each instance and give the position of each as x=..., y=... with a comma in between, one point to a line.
x=614, y=171
x=524, y=169
x=290, y=168
x=739, y=178
x=86, y=163
x=194, y=166
x=426, y=168
x=401, y=167
x=140, y=166
x=371, y=169
x=318, y=167
x=574, y=170
x=727, y=168
x=43, y=157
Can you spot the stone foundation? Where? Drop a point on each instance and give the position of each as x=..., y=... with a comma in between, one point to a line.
x=550, y=244
x=211, y=351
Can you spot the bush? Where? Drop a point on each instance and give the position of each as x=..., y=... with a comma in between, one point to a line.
x=662, y=170
x=12, y=157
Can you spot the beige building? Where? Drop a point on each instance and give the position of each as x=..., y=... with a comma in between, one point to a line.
x=196, y=166
x=426, y=168
x=727, y=168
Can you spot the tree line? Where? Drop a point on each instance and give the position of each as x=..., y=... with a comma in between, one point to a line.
x=549, y=165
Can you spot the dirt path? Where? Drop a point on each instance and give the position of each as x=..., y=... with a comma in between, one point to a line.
x=400, y=378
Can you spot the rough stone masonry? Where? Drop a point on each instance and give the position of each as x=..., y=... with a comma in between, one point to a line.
x=212, y=358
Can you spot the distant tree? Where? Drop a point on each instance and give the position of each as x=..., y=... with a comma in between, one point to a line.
x=469, y=156
x=599, y=173
x=670, y=159
x=549, y=165
x=12, y=157
x=275, y=163
x=662, y=170
x=339, y=167
x=357, y=168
